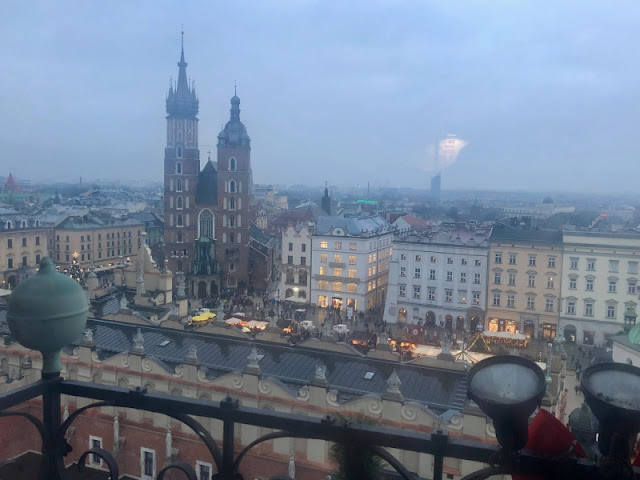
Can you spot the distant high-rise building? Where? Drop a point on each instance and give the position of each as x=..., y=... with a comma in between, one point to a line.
x=435, y=186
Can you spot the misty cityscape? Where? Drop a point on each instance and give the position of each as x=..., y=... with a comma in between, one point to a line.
x=319, y=240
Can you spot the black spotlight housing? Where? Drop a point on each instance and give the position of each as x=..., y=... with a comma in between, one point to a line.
x=507, y=389
x=612, y=391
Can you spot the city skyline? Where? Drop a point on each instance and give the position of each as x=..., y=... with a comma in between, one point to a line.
x=545, y=99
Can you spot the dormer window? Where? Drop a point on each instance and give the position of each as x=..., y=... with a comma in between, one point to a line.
x=24, y=224
x=179, y=152
x=179, y=168
x=232, y=164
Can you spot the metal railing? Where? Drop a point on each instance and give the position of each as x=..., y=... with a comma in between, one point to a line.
x=354, y=436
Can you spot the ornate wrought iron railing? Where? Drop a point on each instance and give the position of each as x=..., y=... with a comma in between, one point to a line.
x=357, y=438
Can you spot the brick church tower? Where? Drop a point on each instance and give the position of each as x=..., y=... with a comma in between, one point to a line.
x=181, y=169
x=233, y=215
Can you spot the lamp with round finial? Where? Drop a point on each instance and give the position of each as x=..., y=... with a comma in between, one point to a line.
x=47, y=312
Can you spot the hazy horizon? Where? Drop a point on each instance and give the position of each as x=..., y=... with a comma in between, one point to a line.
x=348, y=92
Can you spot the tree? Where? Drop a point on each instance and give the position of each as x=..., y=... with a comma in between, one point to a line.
x=354, y=461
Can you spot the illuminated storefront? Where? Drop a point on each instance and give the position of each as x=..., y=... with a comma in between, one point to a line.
x=503, y=325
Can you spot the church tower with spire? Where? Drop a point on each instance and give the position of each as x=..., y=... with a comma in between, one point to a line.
x=181, y=169
x=233, y=219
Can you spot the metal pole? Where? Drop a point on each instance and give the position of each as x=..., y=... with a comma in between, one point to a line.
x=52, y=453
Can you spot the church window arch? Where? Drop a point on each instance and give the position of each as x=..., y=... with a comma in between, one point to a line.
x=232, y=203
x=24, y=224
x=206, y=225
x=232, y=238
x=179, y=220
x=180, y=238
x=178, y=185
x=179, y=147
x=232, y=186
x=179, y=168
x=232, y=221
x=233, y=165
x=179, y=203
x=170, y=202
x=9, y=226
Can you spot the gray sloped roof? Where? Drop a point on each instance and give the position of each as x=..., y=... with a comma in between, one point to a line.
x=294, y=366
x=353, y=225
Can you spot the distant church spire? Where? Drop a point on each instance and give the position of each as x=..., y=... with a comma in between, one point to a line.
x=182, y=100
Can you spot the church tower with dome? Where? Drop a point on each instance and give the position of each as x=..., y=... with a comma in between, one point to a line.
x=233, y=218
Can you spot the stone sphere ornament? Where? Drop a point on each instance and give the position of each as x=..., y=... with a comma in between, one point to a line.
x=47, y=312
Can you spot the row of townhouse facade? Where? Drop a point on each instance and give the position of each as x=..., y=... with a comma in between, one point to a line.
x=580, y=284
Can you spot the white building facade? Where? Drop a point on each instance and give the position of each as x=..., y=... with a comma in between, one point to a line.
x=599, y=284
x=295, y=284
x=439, y=281
x=350, y=263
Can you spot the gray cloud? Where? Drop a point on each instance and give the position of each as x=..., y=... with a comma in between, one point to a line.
x=348, y=91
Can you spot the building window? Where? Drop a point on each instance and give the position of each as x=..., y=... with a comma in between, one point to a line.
x=511, y=300
x=352, y=259
x=418, y=258
x=178, y=186
x=303, y=260
x=179, y=152
x=450, y=261
x=338, y=245
x=290, y=259
x=632, y=287
x=337, y=272
x=532, y=260
x=351, y=288
x=323, y=285
x=448, y=295
x=304, y=247
x=336, y=286
x=37, y=258
x=497, y=257
x=352, y=246
x=416, y=291
x=476, y=298
x=147, y=463
x=476, y=278
x=588, y=309
x=589, y=285
x=431, y=293
x=463, y=277
x=613, y=266
x=633, y=268
x=233, y=165
x=611, y=311
x=9, y=243
x=232, y=203
x=203, y=470
x=232, y=186
x=95, y=442
x=449, y=276
x=24, y=242
x=512, y=259
x=571, y=307
x=179, y=203
x=478, y=263
x=324, y=244
x=403, y=256
x=531, y=302
x=551, y=262
x=416, y=273
x=433, y=259
x=512, y=278
x=290, y=247
x=403, y=271
x=10, y=262
x=402, y=290
x=337, y=258
x=323, y=270
x=532, y=281
x=463, y=261
x=573, y=283
x=550, y=282
x=591, y=263
x=179, y=220
x=496, y=299
x=323, y=258
x=497, y=278
x=432, y=274
x=613, y=286
x=573, y=263
x=548, y=305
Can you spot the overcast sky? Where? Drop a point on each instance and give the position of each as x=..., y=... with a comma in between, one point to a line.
x=546, y=93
